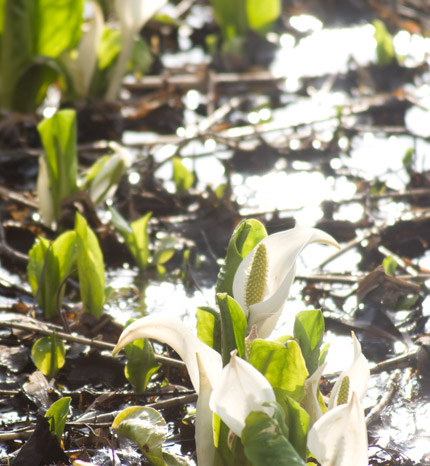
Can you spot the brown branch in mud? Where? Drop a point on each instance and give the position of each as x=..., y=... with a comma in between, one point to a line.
x=32, y=325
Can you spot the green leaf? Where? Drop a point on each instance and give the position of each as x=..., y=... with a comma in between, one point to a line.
x=49, y=355
x=105, y=175
x=265, y=443
x=109, y=47
x=298, y=425
x=309, y=332
x=390, y=265
x=32, y=28
x=49, y=265
x=164, y=251
x=231, y=17
x=139, y=246
x=145, y=427
x=233, y=326
x=262, y=15
x=282, y=365
x=244, y=238
x=58, y=135
x=135, y=235
x=51, y=14
x=57, y=415
x=120, y=224
x=182, y=177
x=141, y=363
x=385, y=52
x=90, y=268
x=209, y=327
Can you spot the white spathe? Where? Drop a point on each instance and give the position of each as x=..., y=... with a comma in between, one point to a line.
x=46, y=205
x=173, y=332
x=358, y=373
x=240, y=390
x=339, y=437
x=283, y=248
x=232, y=392
x=132, y=15
x=310, y=401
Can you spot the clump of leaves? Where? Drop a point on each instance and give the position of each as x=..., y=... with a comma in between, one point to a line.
x=50, y=263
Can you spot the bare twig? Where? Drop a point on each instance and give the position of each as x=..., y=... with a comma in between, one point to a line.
x=31, y=325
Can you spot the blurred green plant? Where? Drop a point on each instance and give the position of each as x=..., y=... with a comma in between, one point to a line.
x=385, y=53
x=236, y=17
x=58, y=172
x=49, y=355
x=50, y=264
x=136, y=238
x=182, y=177
x=33, y=34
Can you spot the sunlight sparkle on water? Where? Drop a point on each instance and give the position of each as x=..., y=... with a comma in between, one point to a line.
x=134, y=178
x=305, y=23
x=325, y=51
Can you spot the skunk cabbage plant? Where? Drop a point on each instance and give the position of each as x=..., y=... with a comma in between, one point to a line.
x=263, y=279
x=339, y=437
x=341, y=433
x=232, y=393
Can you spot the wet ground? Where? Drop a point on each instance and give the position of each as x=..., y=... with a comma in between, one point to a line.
x=307, y=128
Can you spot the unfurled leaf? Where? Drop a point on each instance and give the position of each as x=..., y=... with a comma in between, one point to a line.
x=233, y=326
x=49, y=355
x=309, y=332
x=282, y=365
x=90, y=268
x=57, y=415
x=145, y=427
x=182, y=177
x=58, y=135
x=243, y=240
x=49, y=265
x=209, y=327
x=266, y=444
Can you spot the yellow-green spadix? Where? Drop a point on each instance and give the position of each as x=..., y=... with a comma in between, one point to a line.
x=232, y=392
x=273, y=261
